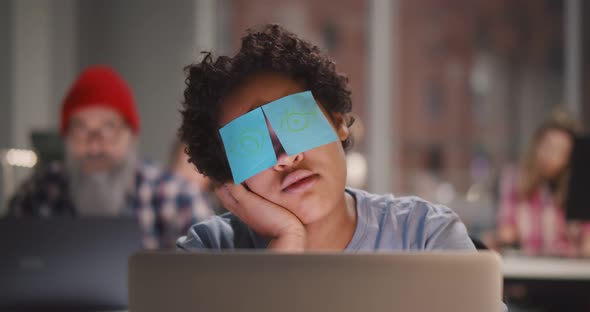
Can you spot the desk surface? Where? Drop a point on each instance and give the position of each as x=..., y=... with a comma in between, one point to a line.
x=520, y=267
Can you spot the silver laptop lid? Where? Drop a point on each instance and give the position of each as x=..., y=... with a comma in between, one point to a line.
x=265, y=282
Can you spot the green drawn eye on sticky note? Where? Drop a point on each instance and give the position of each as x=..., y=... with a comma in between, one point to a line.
x=296, y=121
x=299, y=123
x=248, y=142
x=248, y=145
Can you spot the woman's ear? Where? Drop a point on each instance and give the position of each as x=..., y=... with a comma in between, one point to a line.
x=341, y=126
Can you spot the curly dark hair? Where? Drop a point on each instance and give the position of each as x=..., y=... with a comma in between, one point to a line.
x=269, y=49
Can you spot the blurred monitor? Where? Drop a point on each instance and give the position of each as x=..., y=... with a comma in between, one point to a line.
x=48, y=145
x=65, y=263
x=578, y=197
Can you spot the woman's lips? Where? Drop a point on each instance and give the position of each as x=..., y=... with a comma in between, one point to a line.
x=299, y=181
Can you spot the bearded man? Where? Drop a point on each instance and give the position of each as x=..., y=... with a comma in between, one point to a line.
x=102, y=174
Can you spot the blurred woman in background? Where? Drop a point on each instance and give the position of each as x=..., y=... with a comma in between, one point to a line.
x=532, y=198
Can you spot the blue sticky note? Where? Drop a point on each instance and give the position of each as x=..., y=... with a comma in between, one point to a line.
x=248, y=145
x=299, y=123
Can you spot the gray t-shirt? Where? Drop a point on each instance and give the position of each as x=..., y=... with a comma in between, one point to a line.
x=384, y=223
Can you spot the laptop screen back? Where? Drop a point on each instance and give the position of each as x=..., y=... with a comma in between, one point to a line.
x=267, y=282
x=578, y=197
x=65, y=263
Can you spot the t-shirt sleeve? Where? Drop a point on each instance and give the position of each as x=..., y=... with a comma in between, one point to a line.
x=215, y=233
x=445, y=231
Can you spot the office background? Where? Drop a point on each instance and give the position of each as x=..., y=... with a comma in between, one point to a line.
x=447, y=93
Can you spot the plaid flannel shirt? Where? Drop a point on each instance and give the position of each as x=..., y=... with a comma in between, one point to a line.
x=541, y=225
x=164, y=205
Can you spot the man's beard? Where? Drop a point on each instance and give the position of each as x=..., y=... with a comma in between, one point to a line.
x=102, y=193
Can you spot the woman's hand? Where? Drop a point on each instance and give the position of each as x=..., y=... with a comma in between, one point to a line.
x=507, y=235
x=268, y=219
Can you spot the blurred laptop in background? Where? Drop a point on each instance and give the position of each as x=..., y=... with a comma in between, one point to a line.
x=65, y=263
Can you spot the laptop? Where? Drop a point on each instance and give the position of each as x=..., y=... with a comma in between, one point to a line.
x=65, y=263
x=578, y=197
x=268, y=282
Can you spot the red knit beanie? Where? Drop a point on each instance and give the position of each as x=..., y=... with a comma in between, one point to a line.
x=100, y=85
